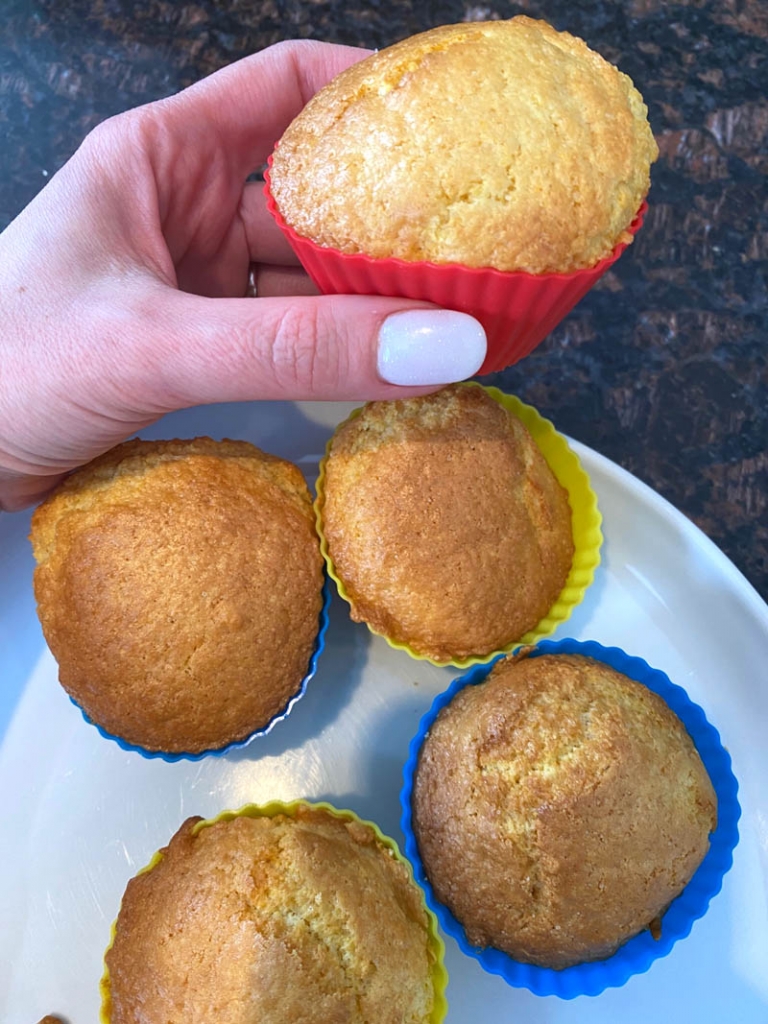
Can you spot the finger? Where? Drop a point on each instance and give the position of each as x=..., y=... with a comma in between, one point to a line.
x=21, y=491
x=249, y=104
x=203, y=143
x=270, y=281
x=338, y=347
x=266, y=242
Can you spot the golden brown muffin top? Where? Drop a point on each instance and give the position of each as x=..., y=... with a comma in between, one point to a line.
x=559, y=808
x=503, y=144
x=276, y=921
x=445, y=523
x=179, y=587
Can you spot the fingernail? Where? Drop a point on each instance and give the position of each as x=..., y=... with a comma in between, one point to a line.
x=430, y=346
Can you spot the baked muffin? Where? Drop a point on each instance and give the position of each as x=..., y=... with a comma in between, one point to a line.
x=559, y=807
x=445, y=525
x=501, y=144
x=301, y=918
x=179, y=586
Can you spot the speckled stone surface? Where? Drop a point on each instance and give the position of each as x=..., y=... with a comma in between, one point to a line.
x=664, y=366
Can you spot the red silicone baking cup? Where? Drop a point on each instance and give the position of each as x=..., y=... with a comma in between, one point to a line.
x=517, y=310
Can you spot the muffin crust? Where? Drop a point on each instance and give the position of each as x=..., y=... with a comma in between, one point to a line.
x=499, y=144
x=445, y=523
x=179, y=587
x=278, y=920
x=559, y=808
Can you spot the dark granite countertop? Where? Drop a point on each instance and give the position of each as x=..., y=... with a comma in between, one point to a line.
x=663, y=366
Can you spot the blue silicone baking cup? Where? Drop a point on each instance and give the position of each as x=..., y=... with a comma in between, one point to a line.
x=636, y=955
x=239, y=744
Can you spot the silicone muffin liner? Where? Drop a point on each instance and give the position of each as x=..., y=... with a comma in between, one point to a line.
x=586, y=523
x=238, y=744
x=518, y=310
x=271, y=810
x=636, y=955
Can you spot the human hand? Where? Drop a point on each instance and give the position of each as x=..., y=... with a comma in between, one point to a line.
x=122, y=283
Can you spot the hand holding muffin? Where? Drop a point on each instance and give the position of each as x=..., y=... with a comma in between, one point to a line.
x=122, y=285
x=496, y=168
x=559, y=806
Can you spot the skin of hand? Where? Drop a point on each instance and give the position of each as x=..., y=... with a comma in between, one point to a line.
x=122, y=285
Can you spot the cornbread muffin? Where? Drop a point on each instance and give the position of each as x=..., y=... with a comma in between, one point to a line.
x=559, y=807
x=444, y=523
x=284, y=920
x=500, y=144
x=179, y=586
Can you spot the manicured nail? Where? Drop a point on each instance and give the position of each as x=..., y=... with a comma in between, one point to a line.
x=430, y=346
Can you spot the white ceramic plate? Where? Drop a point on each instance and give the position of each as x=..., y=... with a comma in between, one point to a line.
x=80, y=816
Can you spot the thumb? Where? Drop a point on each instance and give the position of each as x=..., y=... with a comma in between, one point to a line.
x=327, y=347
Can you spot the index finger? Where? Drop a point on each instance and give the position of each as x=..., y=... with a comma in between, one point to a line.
x=250, y=103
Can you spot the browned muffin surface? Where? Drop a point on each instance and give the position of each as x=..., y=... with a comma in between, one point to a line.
x=179, y=587
x=503, y=144
x=559, y=808
x=281, y=920
x=445, y=523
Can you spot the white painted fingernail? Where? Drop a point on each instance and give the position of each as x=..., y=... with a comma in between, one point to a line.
x=430, y=346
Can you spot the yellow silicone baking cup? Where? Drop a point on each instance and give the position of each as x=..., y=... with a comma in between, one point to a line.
x=271, y=810
x=585, y=517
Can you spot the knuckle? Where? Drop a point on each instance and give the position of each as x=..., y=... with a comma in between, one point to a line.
x=103, y=137
x=295, y=353
x=123, y=134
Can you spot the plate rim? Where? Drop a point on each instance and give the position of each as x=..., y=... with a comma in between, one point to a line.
x=628, y=481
